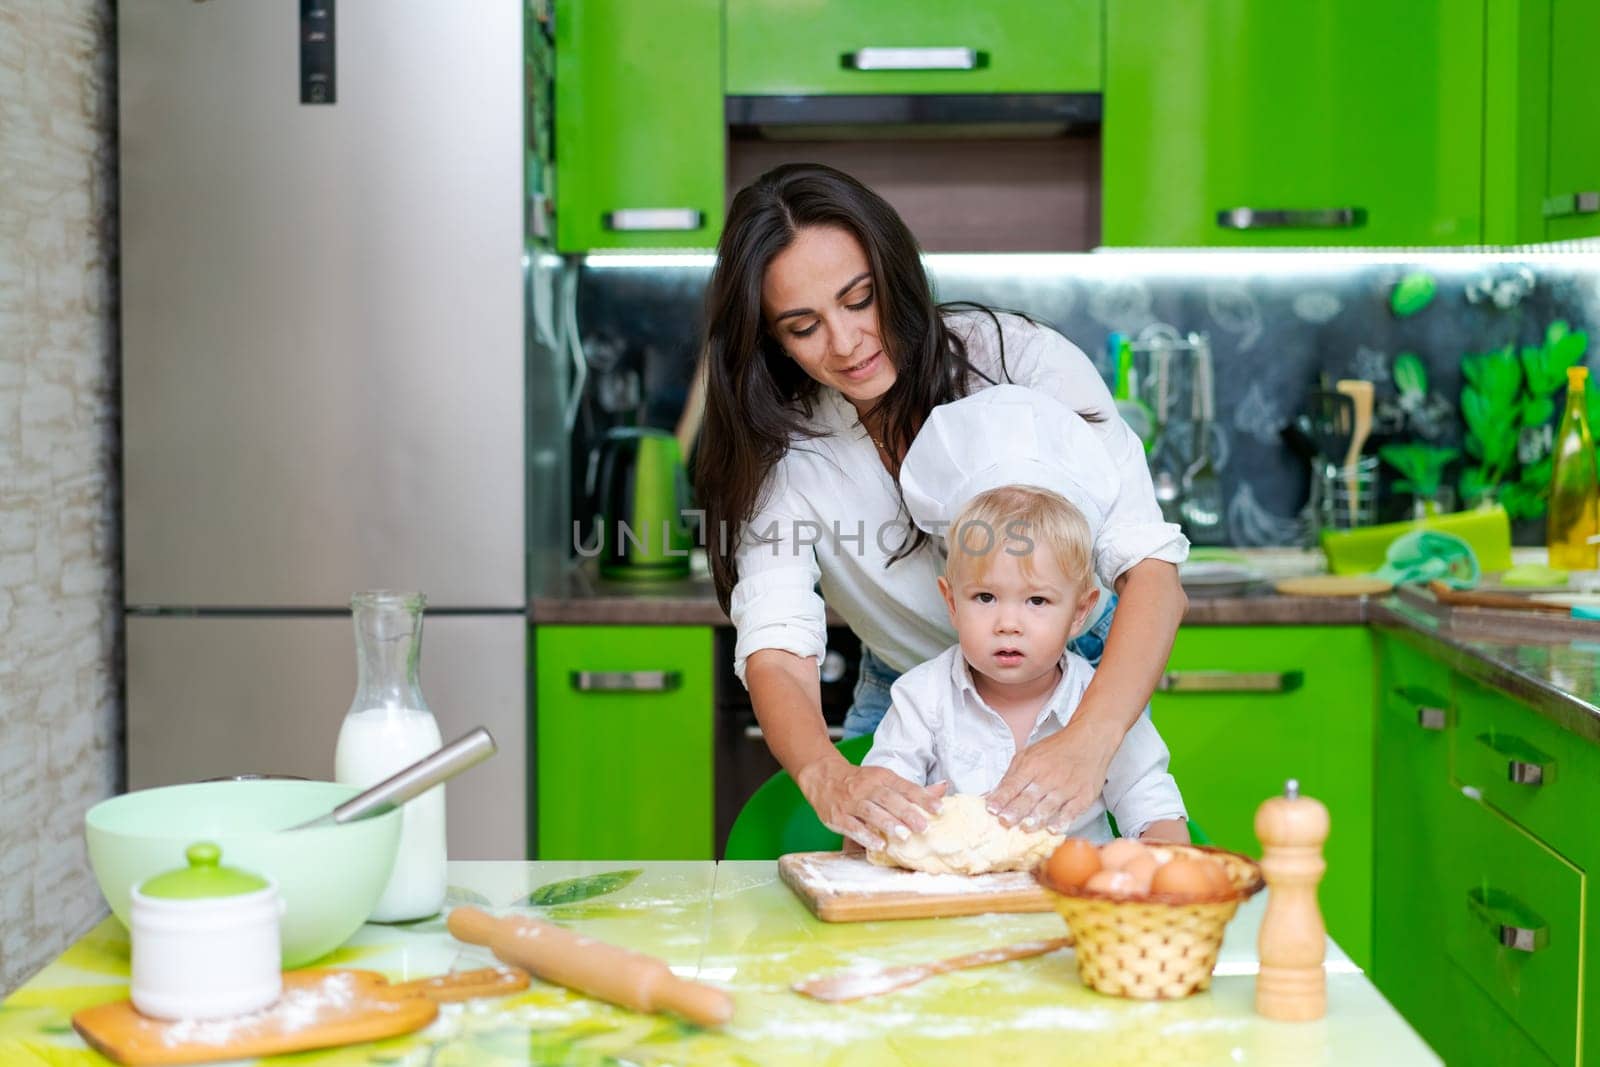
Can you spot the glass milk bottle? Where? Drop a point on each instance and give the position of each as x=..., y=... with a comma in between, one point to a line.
x=388, y=728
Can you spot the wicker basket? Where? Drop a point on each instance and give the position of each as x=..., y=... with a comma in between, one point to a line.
x=1158, y=946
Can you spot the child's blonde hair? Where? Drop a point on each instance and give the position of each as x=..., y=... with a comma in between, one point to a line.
x=1018, y=520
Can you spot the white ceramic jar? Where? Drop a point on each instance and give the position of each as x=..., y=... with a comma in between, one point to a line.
x=205, y=941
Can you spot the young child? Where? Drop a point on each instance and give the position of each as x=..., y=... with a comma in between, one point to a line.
x=1018, y=583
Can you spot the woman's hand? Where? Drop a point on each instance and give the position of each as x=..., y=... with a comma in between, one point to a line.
x=868, y=805
x=1052, y=782
x=1173, y=830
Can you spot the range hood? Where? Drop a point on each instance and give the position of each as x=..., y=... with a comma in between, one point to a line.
x=913, y=116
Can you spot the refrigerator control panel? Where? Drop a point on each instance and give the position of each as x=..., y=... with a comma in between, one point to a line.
x=316, y=52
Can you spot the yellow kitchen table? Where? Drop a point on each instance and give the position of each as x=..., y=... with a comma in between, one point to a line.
x=736, y=926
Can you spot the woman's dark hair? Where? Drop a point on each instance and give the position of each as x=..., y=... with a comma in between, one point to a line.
x=758, y=399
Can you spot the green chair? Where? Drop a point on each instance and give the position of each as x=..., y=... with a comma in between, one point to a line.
x=777, y=820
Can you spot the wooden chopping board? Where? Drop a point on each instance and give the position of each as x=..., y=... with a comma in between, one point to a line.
x=840, y=888
x=318, y=1009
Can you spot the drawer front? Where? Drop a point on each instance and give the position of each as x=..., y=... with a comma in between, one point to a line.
x=1244, y=708
x=624, y=742
x=1412, y=679
x=1412, y=775
x=1513, y=913
x=778, y=47
x=1527, y=767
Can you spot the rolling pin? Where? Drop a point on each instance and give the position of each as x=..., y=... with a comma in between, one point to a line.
x=605, y=972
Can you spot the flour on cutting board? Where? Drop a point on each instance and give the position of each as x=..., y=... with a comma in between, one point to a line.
x=839, y=873
x=298, y=1008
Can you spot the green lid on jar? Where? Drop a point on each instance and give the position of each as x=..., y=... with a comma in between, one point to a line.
x=205, y=877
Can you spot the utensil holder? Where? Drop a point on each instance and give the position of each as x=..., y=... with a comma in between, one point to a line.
x=1346, y=497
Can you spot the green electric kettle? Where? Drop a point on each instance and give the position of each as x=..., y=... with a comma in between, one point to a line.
x=641, y=494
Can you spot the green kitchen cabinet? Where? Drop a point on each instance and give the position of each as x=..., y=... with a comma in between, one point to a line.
x=1411, y=784
x=1481, y=900
x=624, y=741
x=1527, y=767
x=639, y=129
x=1572, y=195
x=1245, y=708
x=1415, y=885
x=1529, y=848
x=1321, y=122
x=779, y=47
x=1542, y=121
x=1513, y=925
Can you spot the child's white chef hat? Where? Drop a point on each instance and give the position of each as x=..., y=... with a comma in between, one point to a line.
x=1005, y=435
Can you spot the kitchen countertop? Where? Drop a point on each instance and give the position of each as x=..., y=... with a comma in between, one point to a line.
x=736, y=926
x=1560, y=679
x=583, y=597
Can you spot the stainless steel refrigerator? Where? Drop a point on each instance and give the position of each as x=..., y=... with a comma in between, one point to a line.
x=324, y=350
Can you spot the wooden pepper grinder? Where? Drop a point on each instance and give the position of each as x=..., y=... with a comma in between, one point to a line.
x=1291, y=984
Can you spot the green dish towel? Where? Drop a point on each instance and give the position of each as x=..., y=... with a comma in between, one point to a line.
x=1426, y=555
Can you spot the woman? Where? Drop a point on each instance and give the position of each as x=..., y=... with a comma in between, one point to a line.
x=825, y=351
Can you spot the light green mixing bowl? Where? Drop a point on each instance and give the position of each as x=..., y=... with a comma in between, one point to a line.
x=329, y=878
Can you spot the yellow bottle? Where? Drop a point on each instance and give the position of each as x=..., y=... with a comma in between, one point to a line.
x=1574, y=486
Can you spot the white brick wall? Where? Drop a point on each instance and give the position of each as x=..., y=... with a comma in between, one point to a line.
x=60, y=623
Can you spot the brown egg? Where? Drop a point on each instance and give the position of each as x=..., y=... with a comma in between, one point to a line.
x=1187, y=876
x=1116, y=854
x=1073, y=863
x=1220, y=881
x=1141, y=869
x=1114, y=883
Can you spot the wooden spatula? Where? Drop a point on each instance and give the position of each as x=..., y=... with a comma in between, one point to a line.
x=1361, y=394
x=1468, y=598
x=850, y=985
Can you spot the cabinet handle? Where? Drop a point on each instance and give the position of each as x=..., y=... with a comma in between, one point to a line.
x=1230, y=681
x=913, y=59
x=630, y=219
x=1250, y=218
x=1527, y=934
x=1432, y=718
x=1572, y=204
x=626, y=681
x=753, y=733
x=1525, y=764
x=1525, y=772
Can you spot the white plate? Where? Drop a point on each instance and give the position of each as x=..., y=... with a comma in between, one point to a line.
x=1217, y=578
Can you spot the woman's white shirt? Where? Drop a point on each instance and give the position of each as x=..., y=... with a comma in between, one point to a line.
x=830, y=515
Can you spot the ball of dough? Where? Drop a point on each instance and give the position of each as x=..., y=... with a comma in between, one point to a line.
x=965, y=839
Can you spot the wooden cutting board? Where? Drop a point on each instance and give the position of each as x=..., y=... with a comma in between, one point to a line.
x=840, y=888
x=318, y=1009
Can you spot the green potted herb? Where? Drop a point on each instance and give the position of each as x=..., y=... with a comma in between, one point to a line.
x=1421, y=468
x=1508, y=403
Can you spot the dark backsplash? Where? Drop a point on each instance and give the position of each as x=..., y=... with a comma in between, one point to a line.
x=1279, y=324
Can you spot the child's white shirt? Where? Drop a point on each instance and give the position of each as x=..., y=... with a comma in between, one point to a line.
x=939, y=729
